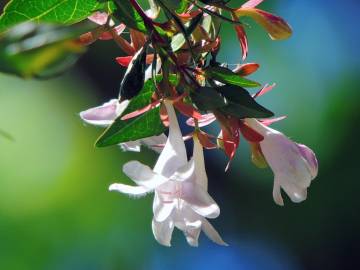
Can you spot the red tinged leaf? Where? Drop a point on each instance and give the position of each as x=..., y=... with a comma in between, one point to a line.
x=246, y=69
x=250, y=134
x=116, y=30
x=264, y=90
x=205, y=140
x=164, y=115
x=276, y=26
x=141, y=111
x=138, y=39
x=187, y=109
x=230, y=139
x=124, y=60
x=206, y=119
x=241, y=35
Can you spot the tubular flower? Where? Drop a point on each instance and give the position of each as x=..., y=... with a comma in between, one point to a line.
x=106, y=114
x=181, y=199
x=294, y=165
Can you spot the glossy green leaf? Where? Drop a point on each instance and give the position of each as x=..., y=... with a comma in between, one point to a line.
x=226, y=76
x=207, y=98
x=241, y=104
x=145, y=125
x=48, y=11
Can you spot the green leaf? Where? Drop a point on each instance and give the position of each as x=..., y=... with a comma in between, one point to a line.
x=48, y=11
x=127, y=14
x=142, y=126
x=207, y=98
x=29, y=50
x=241, y=104
x=6, y=135
x=226, y=76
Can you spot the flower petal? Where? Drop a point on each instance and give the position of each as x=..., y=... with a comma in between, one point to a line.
x=200, y=171
x=310, y=158
x=137, y=191
x=277, y=194
x=199, y=200
x=174, y=154
x=192, y=232
x=163, y=231
x=185, y=173
x=155, y=143
x=143, y=175
x=132, y=146
x=211, y=233
x=105, y=114
x=163, y=210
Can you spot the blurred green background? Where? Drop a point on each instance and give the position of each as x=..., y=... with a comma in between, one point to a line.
x=56, y=212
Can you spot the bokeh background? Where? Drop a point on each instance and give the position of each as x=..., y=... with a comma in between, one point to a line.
x=56, y=212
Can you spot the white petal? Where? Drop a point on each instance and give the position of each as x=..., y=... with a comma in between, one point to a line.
x=143, y=175
x=163, y=210
x=155, y=143
x=211, y=233
x=199, y=200
x=133, y=146
x=185, y=173
x=105, y=114
x=137, y=191
x=148, y=71
x=174, y=154
x=277, y=194
x=198, y=155
x=310, y=159
x=192, y=233
x=163, y=231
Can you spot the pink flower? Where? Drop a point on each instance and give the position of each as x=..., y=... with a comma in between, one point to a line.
x=294, y=165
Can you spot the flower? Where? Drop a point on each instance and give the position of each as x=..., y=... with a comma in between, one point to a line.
x=294, y=165
x=105, y=115
x=181, y=199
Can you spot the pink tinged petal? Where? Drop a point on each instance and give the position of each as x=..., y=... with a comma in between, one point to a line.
x=206, y=119
x=132, y=146
x=264, y=90
x=155, y=143
x=211, y=233
x=163, y=231
x=310, y=158
x=200, y=172
x=252, y=3
x=137, y=191
x=246, y=69
x=118, y=30
x=103, y=115
x=199, y=200
x=174, y=154
x=142, y=175
x=277, y=194
x=269, y=121
x=276, y=27
x=99, y=18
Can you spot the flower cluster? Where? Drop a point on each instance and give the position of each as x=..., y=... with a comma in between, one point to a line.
x=172, y=66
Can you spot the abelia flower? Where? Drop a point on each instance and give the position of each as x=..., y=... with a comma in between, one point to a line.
x=181, y=199
x=106, y=114
x=294, y=165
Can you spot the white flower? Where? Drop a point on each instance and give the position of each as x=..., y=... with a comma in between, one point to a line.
x=181, y=199
x=105, y=115
x=294, y=165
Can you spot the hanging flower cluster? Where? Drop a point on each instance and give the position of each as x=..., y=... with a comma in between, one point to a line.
x=171, y=66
